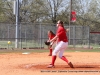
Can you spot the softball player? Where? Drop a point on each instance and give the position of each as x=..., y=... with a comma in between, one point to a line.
x=62, y=43
x=51, y=35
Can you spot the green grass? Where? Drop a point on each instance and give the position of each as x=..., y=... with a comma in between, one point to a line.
x=42, y=50
x=21, y=51
x=32, y=43
x=4, y=44
x=83, y=50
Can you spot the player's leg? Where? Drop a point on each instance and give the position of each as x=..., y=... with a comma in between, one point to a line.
x=64, y=47
x=50, y=52
x=54, y=53
x=50, y=48
x=63, y=57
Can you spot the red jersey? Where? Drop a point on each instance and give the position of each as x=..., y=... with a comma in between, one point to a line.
x=61, y=33
x=51, y=36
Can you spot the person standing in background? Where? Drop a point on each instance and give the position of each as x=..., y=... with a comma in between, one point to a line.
x=51, y=35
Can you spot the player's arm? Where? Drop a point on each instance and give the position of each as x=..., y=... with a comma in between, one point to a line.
x=54, y=38
x=48, y=40
x=67, y=30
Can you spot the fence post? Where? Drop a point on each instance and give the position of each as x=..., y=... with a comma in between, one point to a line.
x=17, y=26
x=89, y=36
x=40, y=36
x=74, y=36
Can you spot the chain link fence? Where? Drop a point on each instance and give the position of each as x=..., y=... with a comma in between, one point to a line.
x=79, y=36
x=95, y=39
x=34, y=35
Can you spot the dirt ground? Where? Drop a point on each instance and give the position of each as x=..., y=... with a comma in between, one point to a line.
x=85, y=63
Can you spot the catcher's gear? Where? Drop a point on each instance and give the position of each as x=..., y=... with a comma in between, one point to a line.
x=47, y=43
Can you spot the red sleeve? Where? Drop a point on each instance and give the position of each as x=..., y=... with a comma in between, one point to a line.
x=58, y=34
x=60, y=31
x=51, y=36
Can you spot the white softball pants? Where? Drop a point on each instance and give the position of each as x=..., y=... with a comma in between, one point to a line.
x=60, y=47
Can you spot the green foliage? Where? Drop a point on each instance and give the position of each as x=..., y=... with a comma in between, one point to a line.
x=1, y=11
x=52, y=10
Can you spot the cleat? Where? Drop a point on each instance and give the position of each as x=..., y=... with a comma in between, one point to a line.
x=51, y=66
x=50, y=55
x=71, y=65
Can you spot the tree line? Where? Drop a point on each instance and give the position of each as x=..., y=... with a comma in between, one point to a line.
x=50, y=11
